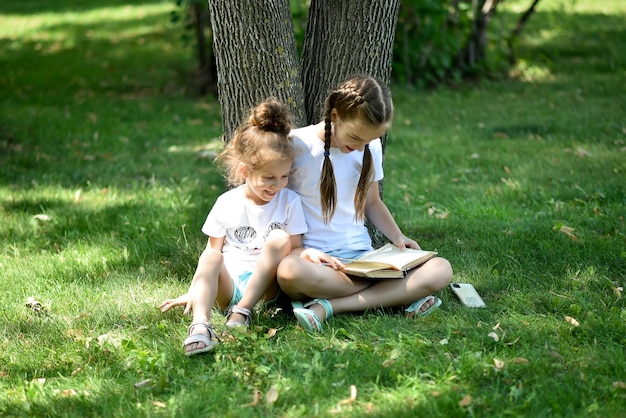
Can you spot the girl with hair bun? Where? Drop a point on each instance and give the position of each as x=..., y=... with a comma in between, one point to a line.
x=251, y=228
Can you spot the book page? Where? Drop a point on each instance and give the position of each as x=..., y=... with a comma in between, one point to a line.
x=394, y=257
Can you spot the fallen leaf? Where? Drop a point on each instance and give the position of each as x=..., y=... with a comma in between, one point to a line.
x=466, y=401
x=142, y=384
x=495, y=336
x=352, y=397
x=159, y=404
x=569, y=231
x=582, y=153
x=256, y=398
x=618, y=291
x=520, y=360
x=572, y=321
x=499, y=364
x=271, y=396
x=513, y=342
x=75, y=334
x=69, y=392
x=271, y=333
x=619, y=385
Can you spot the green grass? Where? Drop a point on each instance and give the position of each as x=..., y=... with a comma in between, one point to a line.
x=103, y=190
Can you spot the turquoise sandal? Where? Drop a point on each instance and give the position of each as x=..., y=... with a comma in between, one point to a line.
x=242, y=311
x=307, y=318
x=414, y=309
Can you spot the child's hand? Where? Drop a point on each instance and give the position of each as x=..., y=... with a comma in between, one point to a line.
x=406, y=242
x=168, y=304
x=321, y=258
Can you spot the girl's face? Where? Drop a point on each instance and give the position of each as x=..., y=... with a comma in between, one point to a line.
x=353, y=134
x=263, y=184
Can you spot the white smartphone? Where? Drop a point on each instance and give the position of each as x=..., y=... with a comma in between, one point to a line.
x=468, y=295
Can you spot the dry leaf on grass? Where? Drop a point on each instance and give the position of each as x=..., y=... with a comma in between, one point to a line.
x=569, y=231
x=256, y=398
x=495, y=336
x=466, y=401
x=143, y=383
x=271, y=396
x=572, y=321
x=352, y=397
x=498, y=364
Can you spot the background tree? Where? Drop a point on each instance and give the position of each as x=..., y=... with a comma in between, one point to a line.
x=256, y=52
x=256, y=58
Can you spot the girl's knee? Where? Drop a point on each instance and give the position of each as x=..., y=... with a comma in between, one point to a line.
x=278, y=239
x=211, y=255
x=288, y=268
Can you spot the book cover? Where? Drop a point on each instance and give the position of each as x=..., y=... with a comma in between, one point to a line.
x=386, y=262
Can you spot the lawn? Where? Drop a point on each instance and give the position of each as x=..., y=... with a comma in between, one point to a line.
x=106, y=178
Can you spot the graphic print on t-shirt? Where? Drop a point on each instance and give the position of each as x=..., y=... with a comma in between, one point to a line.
x=272, y=226
x=245, y=234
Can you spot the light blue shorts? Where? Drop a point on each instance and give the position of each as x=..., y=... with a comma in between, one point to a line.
x=347, y=254
x=239, y=286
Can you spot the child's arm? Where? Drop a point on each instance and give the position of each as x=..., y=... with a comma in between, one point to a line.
x=378, y=214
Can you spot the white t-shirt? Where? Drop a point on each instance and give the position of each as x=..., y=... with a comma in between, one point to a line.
x=342, y=232
x=246, y=225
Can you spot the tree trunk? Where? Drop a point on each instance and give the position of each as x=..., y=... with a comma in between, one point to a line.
x=344, y=38
x=256, y=58
x=256, y=54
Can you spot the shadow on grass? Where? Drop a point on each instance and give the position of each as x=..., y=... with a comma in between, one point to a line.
x=29, y=7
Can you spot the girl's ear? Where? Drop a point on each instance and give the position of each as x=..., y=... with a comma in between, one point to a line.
x=333, y=115
x=242, y=168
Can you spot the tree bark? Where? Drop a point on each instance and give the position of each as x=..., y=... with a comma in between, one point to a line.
x=344, y=38
x=256, y=58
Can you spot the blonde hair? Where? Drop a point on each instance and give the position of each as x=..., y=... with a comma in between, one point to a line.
x=367, y=99
x=264, y=136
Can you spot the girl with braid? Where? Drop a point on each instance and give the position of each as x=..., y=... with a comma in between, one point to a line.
x=337, y=167
x=251, y=228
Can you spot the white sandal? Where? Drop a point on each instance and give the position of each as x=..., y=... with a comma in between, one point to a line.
x=241, y=311
x=209, y=341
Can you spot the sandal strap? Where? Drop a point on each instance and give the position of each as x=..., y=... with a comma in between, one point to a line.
x=242, y=311
x=328, y=308
x=209, y=328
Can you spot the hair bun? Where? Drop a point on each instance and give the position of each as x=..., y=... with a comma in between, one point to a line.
x=272, y=116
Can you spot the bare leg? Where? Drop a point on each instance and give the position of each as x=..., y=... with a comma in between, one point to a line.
x=347, y=295
x=262, y=282
x=302, y=279
x=211, y=282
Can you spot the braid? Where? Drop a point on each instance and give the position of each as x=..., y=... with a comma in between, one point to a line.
x=328, y=187
x=367, y=173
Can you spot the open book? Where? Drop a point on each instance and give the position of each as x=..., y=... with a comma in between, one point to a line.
x=387, y=262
